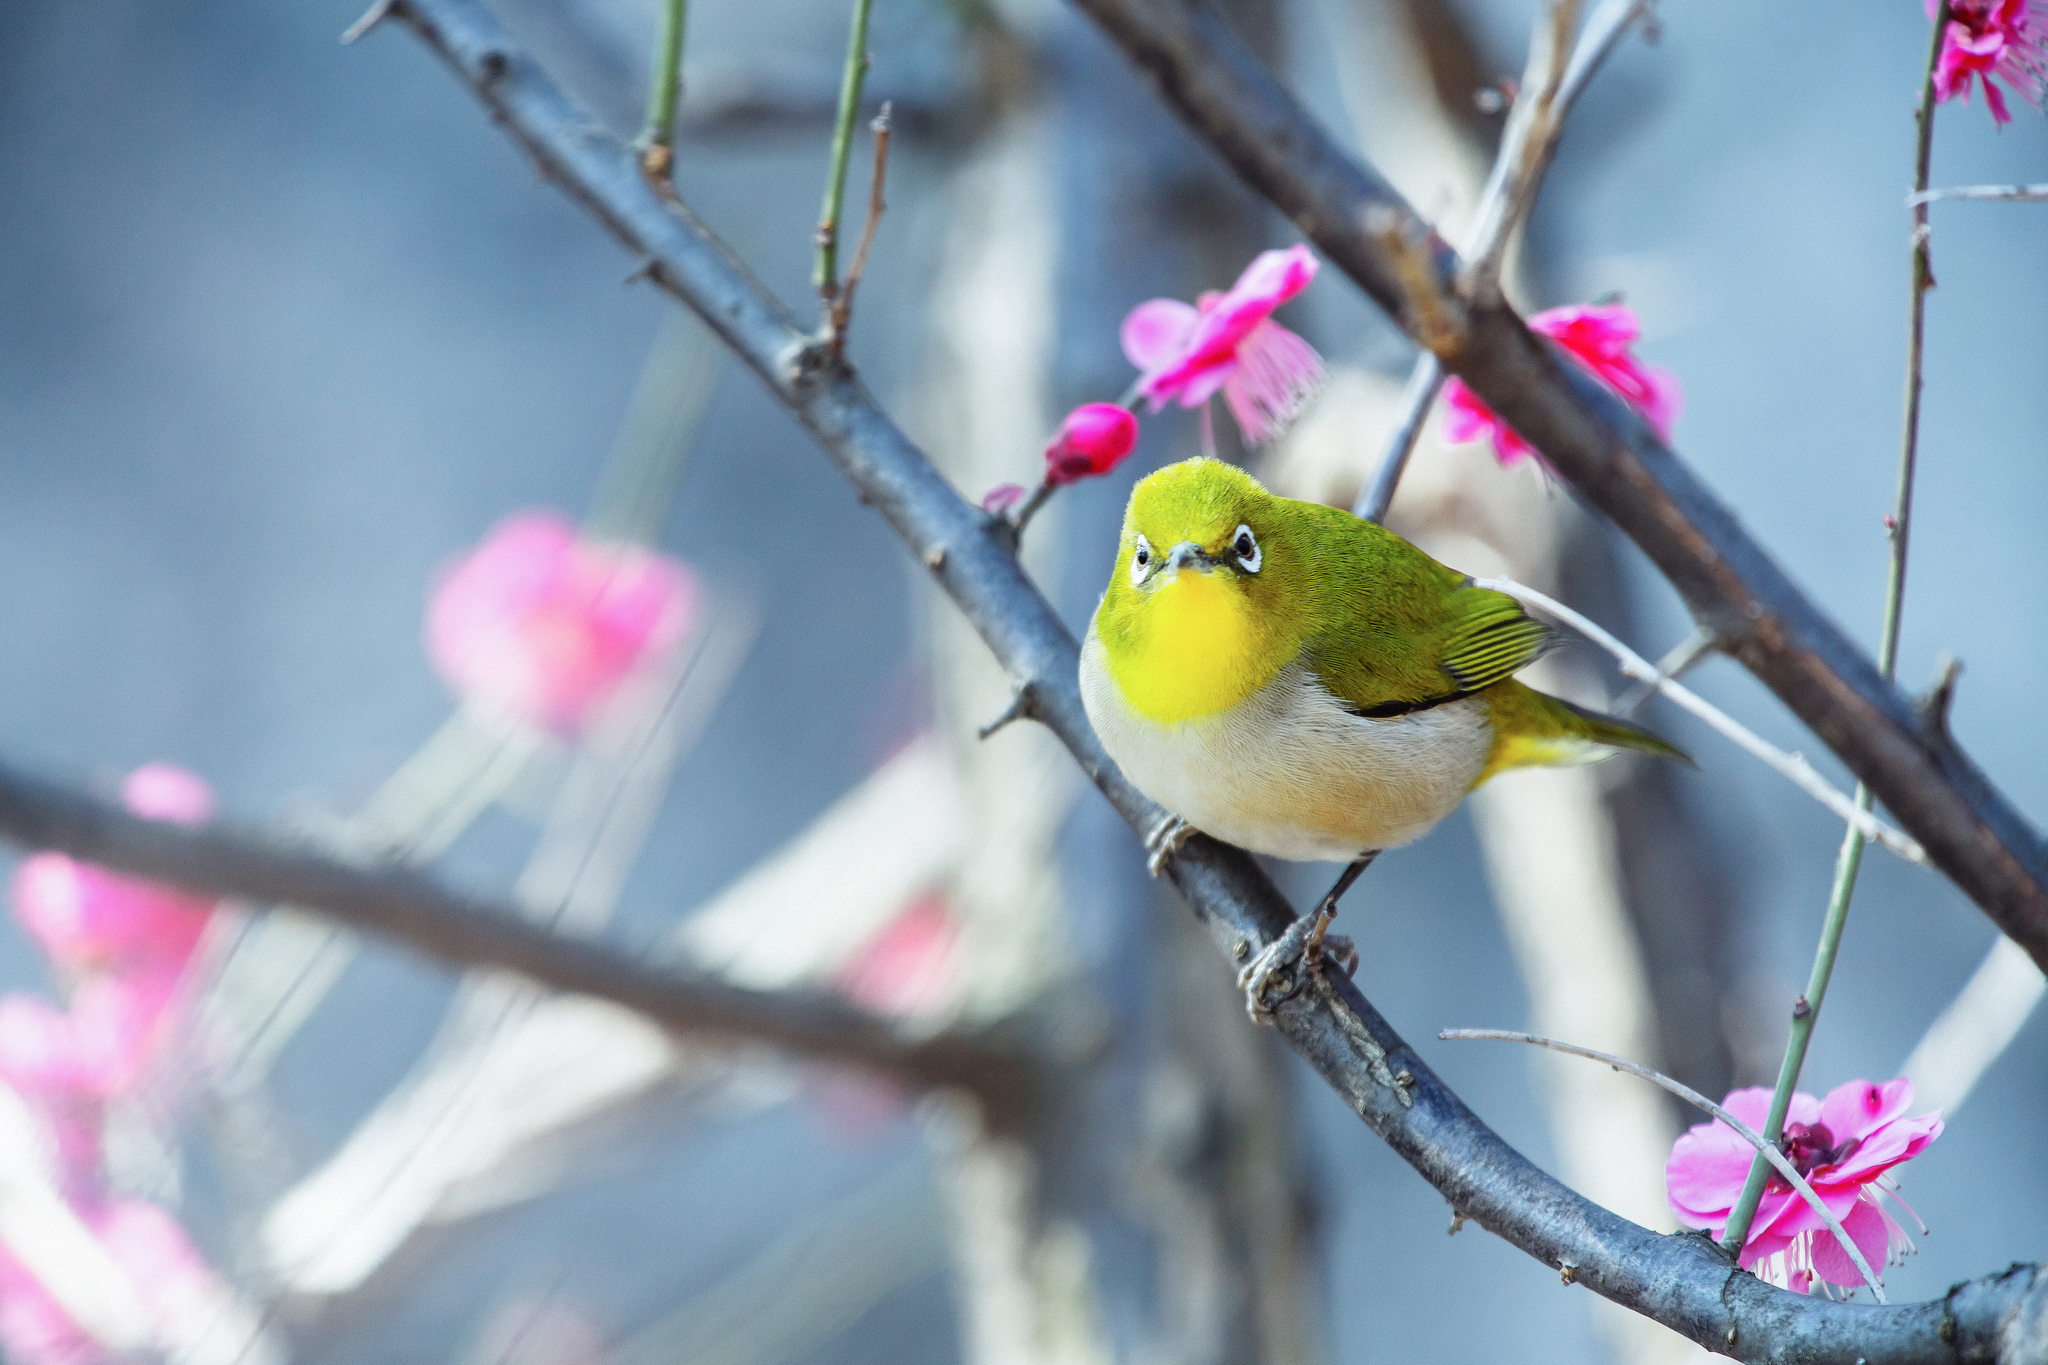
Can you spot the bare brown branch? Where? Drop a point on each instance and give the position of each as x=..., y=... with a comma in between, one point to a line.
x=417, y=912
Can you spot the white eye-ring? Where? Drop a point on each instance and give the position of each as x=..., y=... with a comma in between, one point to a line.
x=1246, y=547
x=1141, y=558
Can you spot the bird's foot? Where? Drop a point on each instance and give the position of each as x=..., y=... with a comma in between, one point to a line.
x=1279, y=973
x=1164, y=842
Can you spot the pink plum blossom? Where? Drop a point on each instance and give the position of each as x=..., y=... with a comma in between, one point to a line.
x=2007, y=39
x=1843, y=1145
x=164, y=791
x=545, y=625
x=1598, y=336
x=1229, y=342
x=179, y=1294
x=1093, y=440
x=86, y=917
x=910, y=966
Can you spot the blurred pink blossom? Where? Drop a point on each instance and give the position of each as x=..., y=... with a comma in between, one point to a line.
x=2007, y=39
x=1843, y=1145
x=910, y=966
x=1229, y=342
x=1599, y=337
x=178, y=1291
x=547, y=625
x=1093, y=440
x=88, y=918
x=164, y=791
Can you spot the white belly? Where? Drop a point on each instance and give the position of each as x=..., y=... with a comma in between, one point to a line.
x=1289, y=771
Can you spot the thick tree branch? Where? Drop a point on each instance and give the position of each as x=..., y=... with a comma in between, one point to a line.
x=415, y=911
x=1604, y=448
x=1681, y=1281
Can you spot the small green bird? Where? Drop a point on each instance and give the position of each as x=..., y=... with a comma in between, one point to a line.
x=1291, y=679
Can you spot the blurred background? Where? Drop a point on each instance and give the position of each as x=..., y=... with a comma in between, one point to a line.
x=287, y=327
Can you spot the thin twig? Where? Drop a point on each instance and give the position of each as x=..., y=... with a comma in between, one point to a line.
x=826, y=277
x=1678, y=661
x=1035, y=501
x=1792, y=766
x=664, y=95
x=1849, y=861
x=2021, y=194
x=1423, y=382
x=1767, y=1151
x=841, y=308
x=1528, y=145
x=376, y=14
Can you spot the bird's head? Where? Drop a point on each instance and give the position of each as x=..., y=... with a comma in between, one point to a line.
x=1197, y=614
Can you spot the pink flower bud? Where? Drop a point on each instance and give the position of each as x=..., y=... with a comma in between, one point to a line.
x=1093, y=440
x=1002, y=497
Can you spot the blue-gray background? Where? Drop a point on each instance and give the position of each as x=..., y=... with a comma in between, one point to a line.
x=285, y=324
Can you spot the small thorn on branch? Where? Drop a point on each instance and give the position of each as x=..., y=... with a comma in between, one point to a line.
x=1024, y=704
x=373, y=16
x=1458, y=1220
x=643, y=271
x=1934, y=707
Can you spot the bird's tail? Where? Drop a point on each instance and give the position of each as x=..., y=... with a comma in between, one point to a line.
x=1532, y=729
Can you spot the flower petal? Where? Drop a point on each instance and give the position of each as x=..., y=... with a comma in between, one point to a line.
x=1866, y=1227
x=1705, y=1172
x=1898, y=1141
x=1860, y=1108
x=1277, y=372
x=1154, y=331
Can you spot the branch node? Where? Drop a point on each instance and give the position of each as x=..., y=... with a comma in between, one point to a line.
x=1435, y=317
x=1458, y=1220
x=492, y=64
x=935, y=558
x=803, y=358
x=643, y=271
x=1567, y=1273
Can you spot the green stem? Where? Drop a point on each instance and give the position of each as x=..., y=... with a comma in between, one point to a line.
x=665, y=93
x=1899, y=526
x=826, y=277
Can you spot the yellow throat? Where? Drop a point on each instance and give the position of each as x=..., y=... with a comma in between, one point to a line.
x=1190, y=647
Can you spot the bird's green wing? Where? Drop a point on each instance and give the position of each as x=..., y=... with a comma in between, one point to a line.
x=1400, y=632
x=1491, y=639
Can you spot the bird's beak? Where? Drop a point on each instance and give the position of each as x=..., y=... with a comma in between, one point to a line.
x=1186, y=555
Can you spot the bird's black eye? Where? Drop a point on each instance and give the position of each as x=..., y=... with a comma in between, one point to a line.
x=1140, y=557
x=1143, y=554
x=1246, y=547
